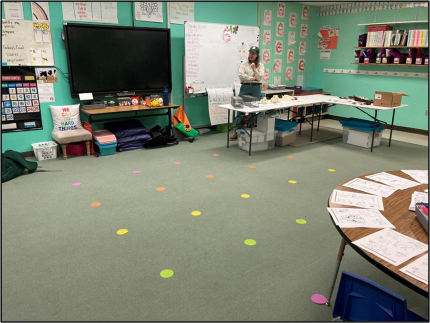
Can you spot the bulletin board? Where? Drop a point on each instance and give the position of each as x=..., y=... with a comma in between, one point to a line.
x=20, y=107
x=26, y=43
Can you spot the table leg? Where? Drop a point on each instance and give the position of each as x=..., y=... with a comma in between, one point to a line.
x=301, y=121
x=391, y=130
x=312, y=123
x=319, y=117
x=228, y=129
x=170, y=122
x=373, y=135
x=250, y=135
x=288, y=114
x=336, y=269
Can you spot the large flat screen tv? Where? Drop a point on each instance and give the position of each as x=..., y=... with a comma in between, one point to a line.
x=114, y=61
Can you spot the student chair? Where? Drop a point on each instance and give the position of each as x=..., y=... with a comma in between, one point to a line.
x=69, y=136
x=360, y=299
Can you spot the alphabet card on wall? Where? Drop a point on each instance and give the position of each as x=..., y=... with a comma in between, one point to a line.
x=277, y=66
x=289, y=73
x=267, y=37
x=305, y=12
x=293, y=20
x=302, y=48
x=281, y=10
x=279, y=29
x=290, y=56
x=267, y=18
x=279, y=46
x=304, y=31
x=266, y=56
x=301, y=65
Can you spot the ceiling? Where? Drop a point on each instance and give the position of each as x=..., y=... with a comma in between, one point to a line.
x=324, y=3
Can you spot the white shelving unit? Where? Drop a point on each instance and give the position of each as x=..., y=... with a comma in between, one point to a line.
x=395, y=23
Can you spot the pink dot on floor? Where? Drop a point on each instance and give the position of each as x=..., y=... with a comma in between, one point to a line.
x=177, y=163
x=216, y=155
x=77, y=184
x=319, y=299
x=136, y=172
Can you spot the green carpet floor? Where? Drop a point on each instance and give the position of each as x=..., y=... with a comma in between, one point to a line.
x=62, y=259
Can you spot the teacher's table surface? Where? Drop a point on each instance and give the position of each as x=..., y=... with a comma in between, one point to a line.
x=91, y=113
x=396, y=210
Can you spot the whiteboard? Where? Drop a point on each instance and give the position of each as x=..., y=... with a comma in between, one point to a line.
x=213, y=52
x=26, y=43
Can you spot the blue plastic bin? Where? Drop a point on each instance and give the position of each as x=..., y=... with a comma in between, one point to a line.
x=284, y=125
x=360, y=124
x=106, y=149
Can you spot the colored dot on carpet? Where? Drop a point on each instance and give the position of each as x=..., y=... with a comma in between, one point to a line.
x=292, y=182
x=160, y=188
x=319, y=299
x=166, y=273
x=245, y=196
x=209, y=176
x=216, y=155
x=122, y=231
x=177, y=163
x=251, y=166
x=95, y=204
x=290, y=157
x=196, y=213
x=76, y=184
x=332, y=170
x=136, y=172
x=250, y=242
x=301, y=221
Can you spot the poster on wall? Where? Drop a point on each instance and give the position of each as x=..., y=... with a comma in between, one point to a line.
x=305, y=12
x=291, y=37
x=289, y=73
x=181, y=12
x=266, y=56
x=327, y=37
x=302, y=48
x=304, y=31
x=267, y=34
x=301, y=65
x=281, y=10
x=290, y=56
x=13, y=10
x=47, y=75
x=279, y=29
x=293, y=20
x=40, y=10
x=149, y=11
x=266, y=76
x=277, y=66
x=267, y=18
x=325, y=54
x=105, y=12
x=279, y=46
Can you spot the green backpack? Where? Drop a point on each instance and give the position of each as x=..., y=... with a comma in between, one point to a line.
x=13, y=164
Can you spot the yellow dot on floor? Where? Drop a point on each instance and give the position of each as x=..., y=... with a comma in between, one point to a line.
x=292, y=182
x=331, y=170
x=251, y=166
x=95, y=204
x=301, y=221
x=160, y=189
x=209, y=176
x=196, y=213
x=122, y=231
x=166, y=273
x=250, y=242
x=245, y=196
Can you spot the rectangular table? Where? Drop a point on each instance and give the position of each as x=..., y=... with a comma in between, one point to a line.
x=317, y=99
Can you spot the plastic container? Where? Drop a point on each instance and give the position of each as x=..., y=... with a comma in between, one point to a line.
x=361, y=138
x=260, y=140
x=45, y=150
x=284, y=125
x=166, y=96
x=104, y=136
x=202, y=131
x=76, y=148
x=108, y=149
x=287, y=137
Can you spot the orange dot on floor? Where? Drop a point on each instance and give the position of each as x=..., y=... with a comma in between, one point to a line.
x=209, y=176
x=290, y=157
x=95, y=204
x=160, y=188
x=251, y=166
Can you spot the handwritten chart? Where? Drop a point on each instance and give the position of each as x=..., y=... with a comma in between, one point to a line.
x=217, y=96
x=105, y=12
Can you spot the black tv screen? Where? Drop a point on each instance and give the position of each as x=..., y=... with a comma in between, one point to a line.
x=113, y=60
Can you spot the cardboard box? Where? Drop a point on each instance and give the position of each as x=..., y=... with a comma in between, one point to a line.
x=284, y=141
x=388, y=99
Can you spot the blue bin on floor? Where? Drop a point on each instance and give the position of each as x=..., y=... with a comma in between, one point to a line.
x=360, y=124
x=284, y=125
x=106, y=149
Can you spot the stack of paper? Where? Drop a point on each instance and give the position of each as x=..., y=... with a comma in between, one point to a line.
x=418, y=197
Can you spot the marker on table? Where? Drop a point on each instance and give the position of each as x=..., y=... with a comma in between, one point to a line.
x=426, y=205
x=424, y=209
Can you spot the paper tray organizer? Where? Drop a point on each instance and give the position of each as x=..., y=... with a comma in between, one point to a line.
x=422, y=217
x=104, y=137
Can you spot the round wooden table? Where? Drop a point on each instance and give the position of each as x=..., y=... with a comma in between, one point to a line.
x=396, y=210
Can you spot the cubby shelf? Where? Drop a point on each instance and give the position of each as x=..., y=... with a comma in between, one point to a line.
x=381, y=64
x=395, y=47
x=395, y=23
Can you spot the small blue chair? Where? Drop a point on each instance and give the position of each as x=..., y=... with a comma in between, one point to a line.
x=360, y=299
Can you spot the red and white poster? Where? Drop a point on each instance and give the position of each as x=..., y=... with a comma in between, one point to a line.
x=290, y=56
x=281, y=10
x=293, y=20
x=279, y=46
x=267, y=18
x=278, y=65
x=289, y=73
x=301, y=65
x=266, y=76
x=267, y=34
x=305, y=12
x=302, y=48
x=280, y=29
x=304, y=31
x=266, y=56
x=328, y=37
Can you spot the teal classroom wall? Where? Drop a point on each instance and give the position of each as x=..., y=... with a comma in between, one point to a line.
x=247, y=13
x=412, y=116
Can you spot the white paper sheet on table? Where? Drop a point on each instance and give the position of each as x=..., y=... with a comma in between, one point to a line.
x=421, y=176
x=365, y=201
x=418, y=269
x=418, y=197
x=359, y=218
x=391, y=246
x=370, y=187
x=393, y=180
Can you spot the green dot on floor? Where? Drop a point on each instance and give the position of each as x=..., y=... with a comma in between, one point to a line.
x=301, y=221
x=250, y=242
x=166, y=273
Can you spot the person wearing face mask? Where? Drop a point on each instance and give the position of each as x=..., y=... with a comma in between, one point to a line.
x=250, y=74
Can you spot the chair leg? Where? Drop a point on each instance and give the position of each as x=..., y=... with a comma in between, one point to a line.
x=88, y=148
x=64, y=151
x=58, y=149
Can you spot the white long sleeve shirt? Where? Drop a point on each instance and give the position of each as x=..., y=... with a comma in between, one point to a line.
x=246, y=73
